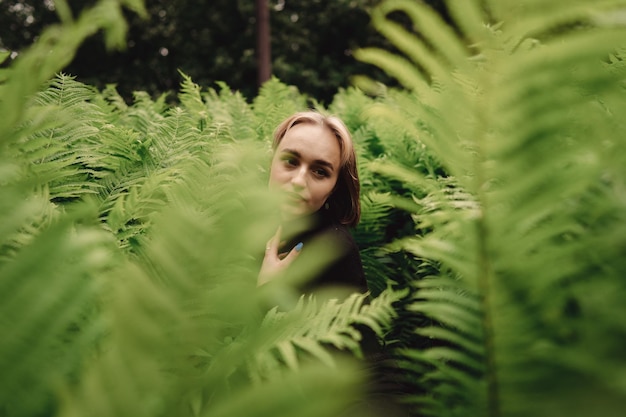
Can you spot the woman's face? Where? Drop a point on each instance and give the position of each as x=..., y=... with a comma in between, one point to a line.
x=305, y=166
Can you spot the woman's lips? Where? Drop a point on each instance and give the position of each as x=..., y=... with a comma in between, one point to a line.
x=295, y=197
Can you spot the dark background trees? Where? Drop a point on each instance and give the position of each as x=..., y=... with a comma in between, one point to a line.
x=312, y=42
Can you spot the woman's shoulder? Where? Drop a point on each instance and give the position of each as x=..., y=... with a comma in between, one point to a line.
x=342, y=235
x=336, y=238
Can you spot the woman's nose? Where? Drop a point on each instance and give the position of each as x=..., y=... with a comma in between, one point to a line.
x=299, y=178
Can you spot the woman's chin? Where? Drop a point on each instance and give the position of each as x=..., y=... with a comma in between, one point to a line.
x=294, y=211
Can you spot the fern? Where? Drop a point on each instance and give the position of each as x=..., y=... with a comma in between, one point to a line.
x=131, y=232
x=274, y=103
x=48, y=340
x=53, y=51
x=191, y=100
x=230, y=108
x=312, y=328
x=519, y=120
x=54, y=146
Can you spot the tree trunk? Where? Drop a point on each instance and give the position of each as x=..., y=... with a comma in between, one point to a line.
x=264, y=60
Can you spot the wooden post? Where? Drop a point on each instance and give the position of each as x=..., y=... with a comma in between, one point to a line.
x=264, y=59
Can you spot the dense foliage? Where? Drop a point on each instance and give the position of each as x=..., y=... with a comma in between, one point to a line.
x=312, y=44
x=493, y=230
x=521, y=107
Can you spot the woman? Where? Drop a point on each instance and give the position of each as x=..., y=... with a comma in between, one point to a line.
x=314, y=166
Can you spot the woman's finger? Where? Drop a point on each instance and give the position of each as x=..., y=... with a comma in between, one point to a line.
x=273, y=243
x=293, y=254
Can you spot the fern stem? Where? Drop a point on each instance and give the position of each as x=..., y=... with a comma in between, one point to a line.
x=484, y=279
x=484, y=268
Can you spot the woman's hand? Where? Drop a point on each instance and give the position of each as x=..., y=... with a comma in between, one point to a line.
x=275, y=262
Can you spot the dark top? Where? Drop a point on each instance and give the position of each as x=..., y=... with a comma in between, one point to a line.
x=344, y=268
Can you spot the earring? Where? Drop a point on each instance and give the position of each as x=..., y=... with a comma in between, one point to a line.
x=326, y=205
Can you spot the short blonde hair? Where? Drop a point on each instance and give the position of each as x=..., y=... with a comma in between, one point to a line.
x=344, y=202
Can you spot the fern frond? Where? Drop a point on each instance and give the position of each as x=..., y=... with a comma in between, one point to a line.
x=141, y=115
x=231, y=109
x=274, y=103
x=398, y=67
x=374, y=209
x=522, y=129
x=443, y=44
x=49, y=339
x=293, y=395
x=311, y=328
x=54, y=148
x=531, y=18
x=191, y=99
x=53, y=51
x=471, y=19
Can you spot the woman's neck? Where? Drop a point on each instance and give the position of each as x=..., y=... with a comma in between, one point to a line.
x=295, y=226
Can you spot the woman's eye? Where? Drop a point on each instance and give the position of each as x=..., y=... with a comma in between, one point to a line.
x=321, y=173
x=290, y=161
